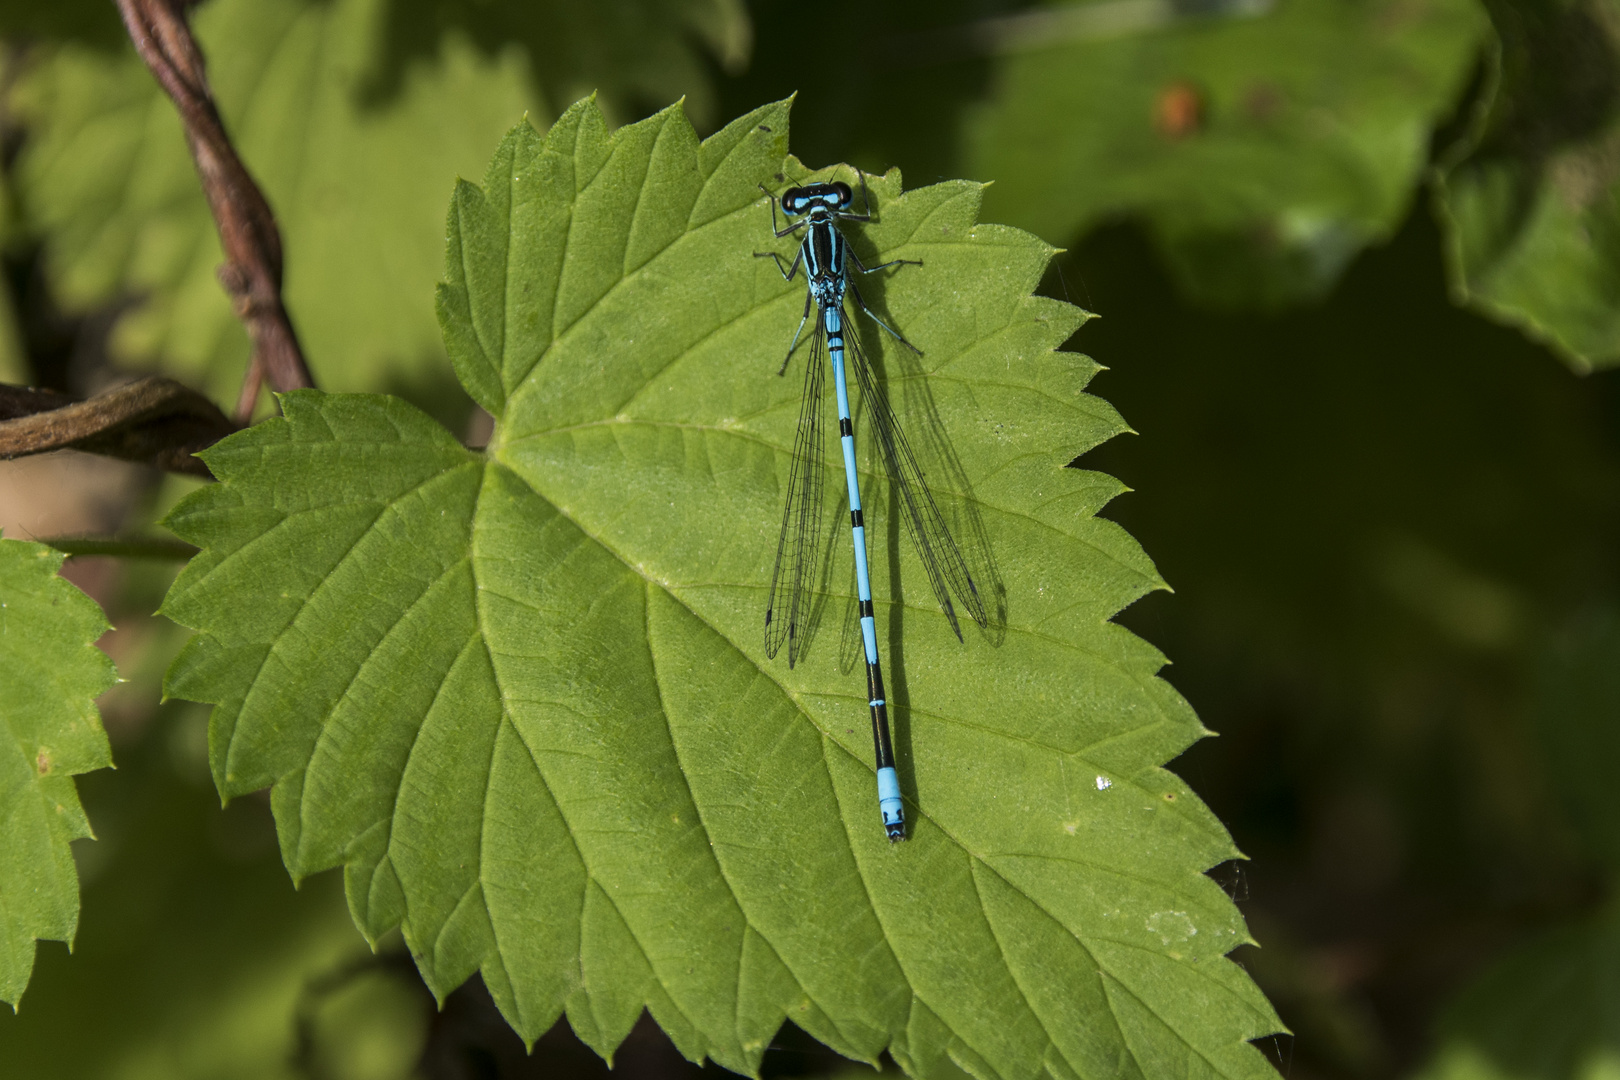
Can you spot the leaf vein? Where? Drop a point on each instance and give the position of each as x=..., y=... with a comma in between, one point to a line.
x=321, y=736
x=989, y=923
x=303, y=606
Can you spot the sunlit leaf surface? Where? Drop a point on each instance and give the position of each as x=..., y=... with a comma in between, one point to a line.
x=521, y=695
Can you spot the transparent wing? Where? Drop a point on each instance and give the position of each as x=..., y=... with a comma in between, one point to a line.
x=787, y=610
x=941, y=558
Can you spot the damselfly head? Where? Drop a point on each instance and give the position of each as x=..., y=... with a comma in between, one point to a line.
x=830, y=198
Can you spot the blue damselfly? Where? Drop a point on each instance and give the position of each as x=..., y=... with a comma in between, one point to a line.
x=827, y=258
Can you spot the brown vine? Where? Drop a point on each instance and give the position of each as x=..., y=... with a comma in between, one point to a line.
x=251, y=273
x=152, y=420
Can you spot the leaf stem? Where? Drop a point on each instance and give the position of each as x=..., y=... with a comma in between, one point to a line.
x=129, y=548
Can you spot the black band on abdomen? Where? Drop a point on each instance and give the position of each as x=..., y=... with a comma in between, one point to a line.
x=881, y=745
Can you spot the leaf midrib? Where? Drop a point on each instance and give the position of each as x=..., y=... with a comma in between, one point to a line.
x=502, y=453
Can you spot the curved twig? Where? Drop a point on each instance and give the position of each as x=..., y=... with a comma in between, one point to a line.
x=251, y=272
x=154, y=420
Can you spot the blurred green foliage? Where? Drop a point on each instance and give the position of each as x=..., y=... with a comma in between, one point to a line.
x=1374, y=526
x=1391, y=525
x=90, y=22
x=1575, y=713
x=195, y=956
x=108, y=178
x=1530, y=193
x=1264, y=145
x=1546, y=1009
x=356, y=117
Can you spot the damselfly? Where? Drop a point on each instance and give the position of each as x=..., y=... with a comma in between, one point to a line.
x=827, y=259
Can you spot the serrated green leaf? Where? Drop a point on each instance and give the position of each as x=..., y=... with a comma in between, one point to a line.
x=1545, y=1010
x=1530, y=201
x=355, y=116
x=1263, y=150
x=521, y=695
x=51, y=673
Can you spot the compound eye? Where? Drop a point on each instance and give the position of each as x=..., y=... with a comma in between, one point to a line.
x=842, y=194
x=794, y=200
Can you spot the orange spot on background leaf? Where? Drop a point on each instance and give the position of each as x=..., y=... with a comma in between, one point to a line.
x=1178, y=110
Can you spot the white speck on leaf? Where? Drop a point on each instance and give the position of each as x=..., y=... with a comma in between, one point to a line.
x=1171, y=926
x=1103, y=783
